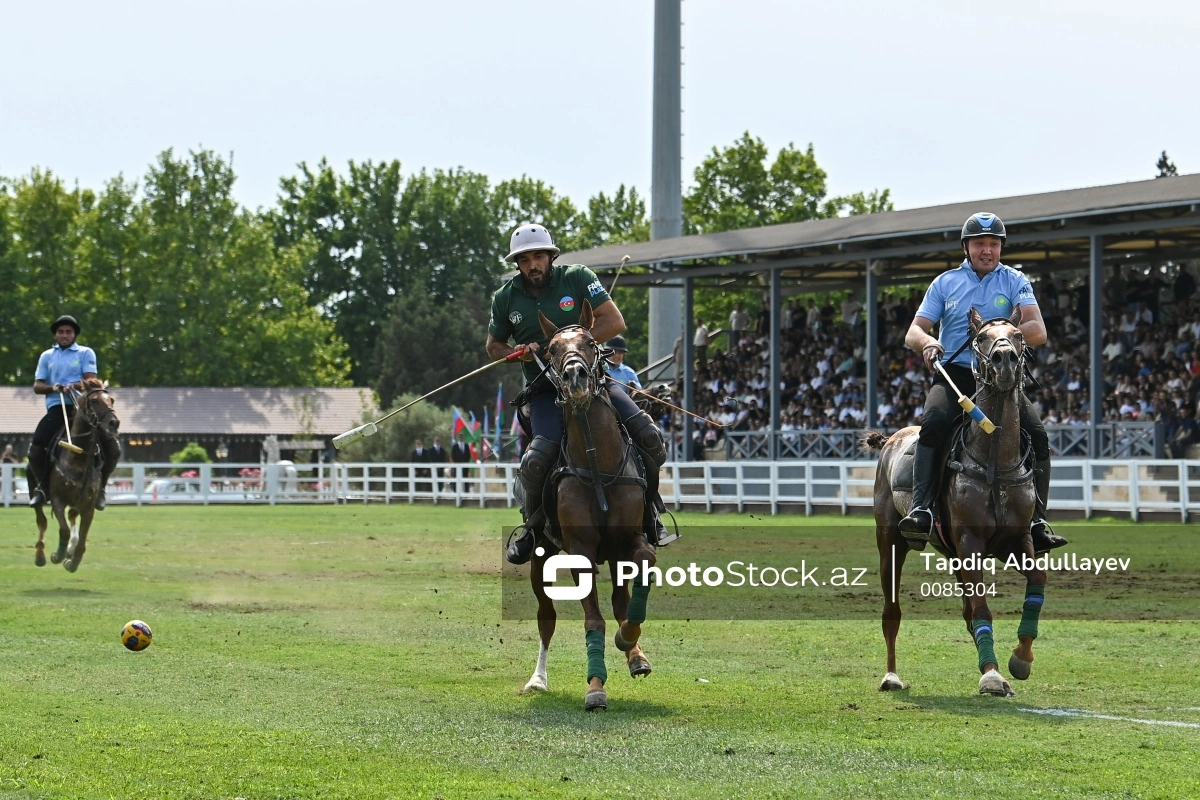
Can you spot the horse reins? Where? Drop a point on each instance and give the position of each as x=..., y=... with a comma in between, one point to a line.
x=594, y=373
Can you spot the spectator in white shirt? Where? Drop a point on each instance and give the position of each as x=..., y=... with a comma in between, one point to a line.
x=739, y=320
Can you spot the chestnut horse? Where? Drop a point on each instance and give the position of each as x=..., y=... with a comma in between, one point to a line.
x=984, y=507
x=75, y=477
x=600, y=500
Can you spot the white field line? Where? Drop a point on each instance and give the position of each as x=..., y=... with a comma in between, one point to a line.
x=1074, y=712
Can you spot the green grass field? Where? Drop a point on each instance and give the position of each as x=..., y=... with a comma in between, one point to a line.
x=359, y=652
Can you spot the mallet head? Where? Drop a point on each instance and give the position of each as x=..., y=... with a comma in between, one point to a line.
x=351, y=436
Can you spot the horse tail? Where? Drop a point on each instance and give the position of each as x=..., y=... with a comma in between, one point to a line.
x=871, y=441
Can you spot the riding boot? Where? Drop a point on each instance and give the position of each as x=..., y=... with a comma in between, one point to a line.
x=37, y=474
x=919, y=522
x=111, y=449
x=520, y=549
x=1044, y=537
x=648, y=440
x=536, y=464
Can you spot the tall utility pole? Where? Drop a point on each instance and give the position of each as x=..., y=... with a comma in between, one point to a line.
x=666, y=185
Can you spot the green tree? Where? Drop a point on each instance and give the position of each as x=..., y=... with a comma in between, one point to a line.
x=213, y=303
x=41, y=230
x=106, y=261
x=736, y=188
x=1165, y=168
x=610, y=220
x=394, y=439
x=425, y=344
x=192, y=453
x=527, y=200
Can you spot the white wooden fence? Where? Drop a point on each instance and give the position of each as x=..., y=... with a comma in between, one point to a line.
x=1090, y=486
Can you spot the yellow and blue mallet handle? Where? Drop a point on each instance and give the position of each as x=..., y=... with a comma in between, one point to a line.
x=966, y=404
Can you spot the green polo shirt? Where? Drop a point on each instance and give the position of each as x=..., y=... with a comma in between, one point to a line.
x=515, y=311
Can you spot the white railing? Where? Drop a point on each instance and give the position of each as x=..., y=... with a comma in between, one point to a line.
x=1089, y=486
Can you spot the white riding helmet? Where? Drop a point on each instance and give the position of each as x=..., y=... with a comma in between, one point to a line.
x=530, y=236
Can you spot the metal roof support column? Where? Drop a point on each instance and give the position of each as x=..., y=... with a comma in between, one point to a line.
x=774, y=374
x=689, y=359
x=1095, y=340
x=666, y=167
x=873, y=303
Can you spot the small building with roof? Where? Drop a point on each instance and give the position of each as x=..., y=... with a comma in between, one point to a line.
x=238, y=425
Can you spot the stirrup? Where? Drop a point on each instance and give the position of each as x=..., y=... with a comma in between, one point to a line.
x=1043, y=536
x=101, y=500
x=520, y=545
x=918, y=527
x=663, y=536
x=38, y=498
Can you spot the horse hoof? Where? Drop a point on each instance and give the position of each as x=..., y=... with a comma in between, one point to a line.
x=620, y=642
x=596, y=700
x=1019, y=669
x=993, y=683
x=639, y=666
x=534, y=686
x=71, y=564
x=57, y=556
x=40, y=559
x=891, y=683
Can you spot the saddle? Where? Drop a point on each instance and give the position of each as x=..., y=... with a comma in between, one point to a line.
x=954, y=457
x=551, y=532
x=563, y=470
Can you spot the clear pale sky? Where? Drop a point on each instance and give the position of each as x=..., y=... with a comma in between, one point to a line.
x=938, y=101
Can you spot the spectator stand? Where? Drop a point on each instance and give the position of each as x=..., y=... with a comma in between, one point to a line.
x=1112, y=259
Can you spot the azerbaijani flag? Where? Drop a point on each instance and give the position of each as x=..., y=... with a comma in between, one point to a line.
x=470, y=431
x=499, y=414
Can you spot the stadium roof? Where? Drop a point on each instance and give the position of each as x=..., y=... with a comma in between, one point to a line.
x=310, y=413
x=1155, y=219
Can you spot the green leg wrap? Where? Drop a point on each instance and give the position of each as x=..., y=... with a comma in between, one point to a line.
x=982, y=630
x=595, y=650
x=1034, y=596
x=637, y=604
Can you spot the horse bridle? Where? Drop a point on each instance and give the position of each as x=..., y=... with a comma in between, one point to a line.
x=595, y=370
x=982, y=366
x=84, y=407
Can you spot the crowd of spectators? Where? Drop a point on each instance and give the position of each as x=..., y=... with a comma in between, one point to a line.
x=1151, y=355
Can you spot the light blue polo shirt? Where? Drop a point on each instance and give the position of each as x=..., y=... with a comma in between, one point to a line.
x=625, y=374
x=953, y=293
x=64, y=366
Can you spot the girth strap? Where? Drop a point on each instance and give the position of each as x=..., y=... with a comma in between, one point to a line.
x=1010, y=477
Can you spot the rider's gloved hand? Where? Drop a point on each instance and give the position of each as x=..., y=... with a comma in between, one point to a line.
x=932, y=352
x=58, y=388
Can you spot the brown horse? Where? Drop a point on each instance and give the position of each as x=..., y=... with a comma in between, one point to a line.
x=985, y=507
x=75, y=477
x=600, y=500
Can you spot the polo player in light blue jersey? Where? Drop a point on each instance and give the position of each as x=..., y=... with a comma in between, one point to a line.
x=994, y=290
x=60, y=371
x=616, y=367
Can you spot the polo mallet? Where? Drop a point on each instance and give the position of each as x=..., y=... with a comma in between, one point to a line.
x=68, y=444
x=370, y=429
x=624, y=261
x=966, y=404
x=660, y=401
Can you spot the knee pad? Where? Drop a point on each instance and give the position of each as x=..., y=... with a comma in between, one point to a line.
x=536, y=464
x=646, y=436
